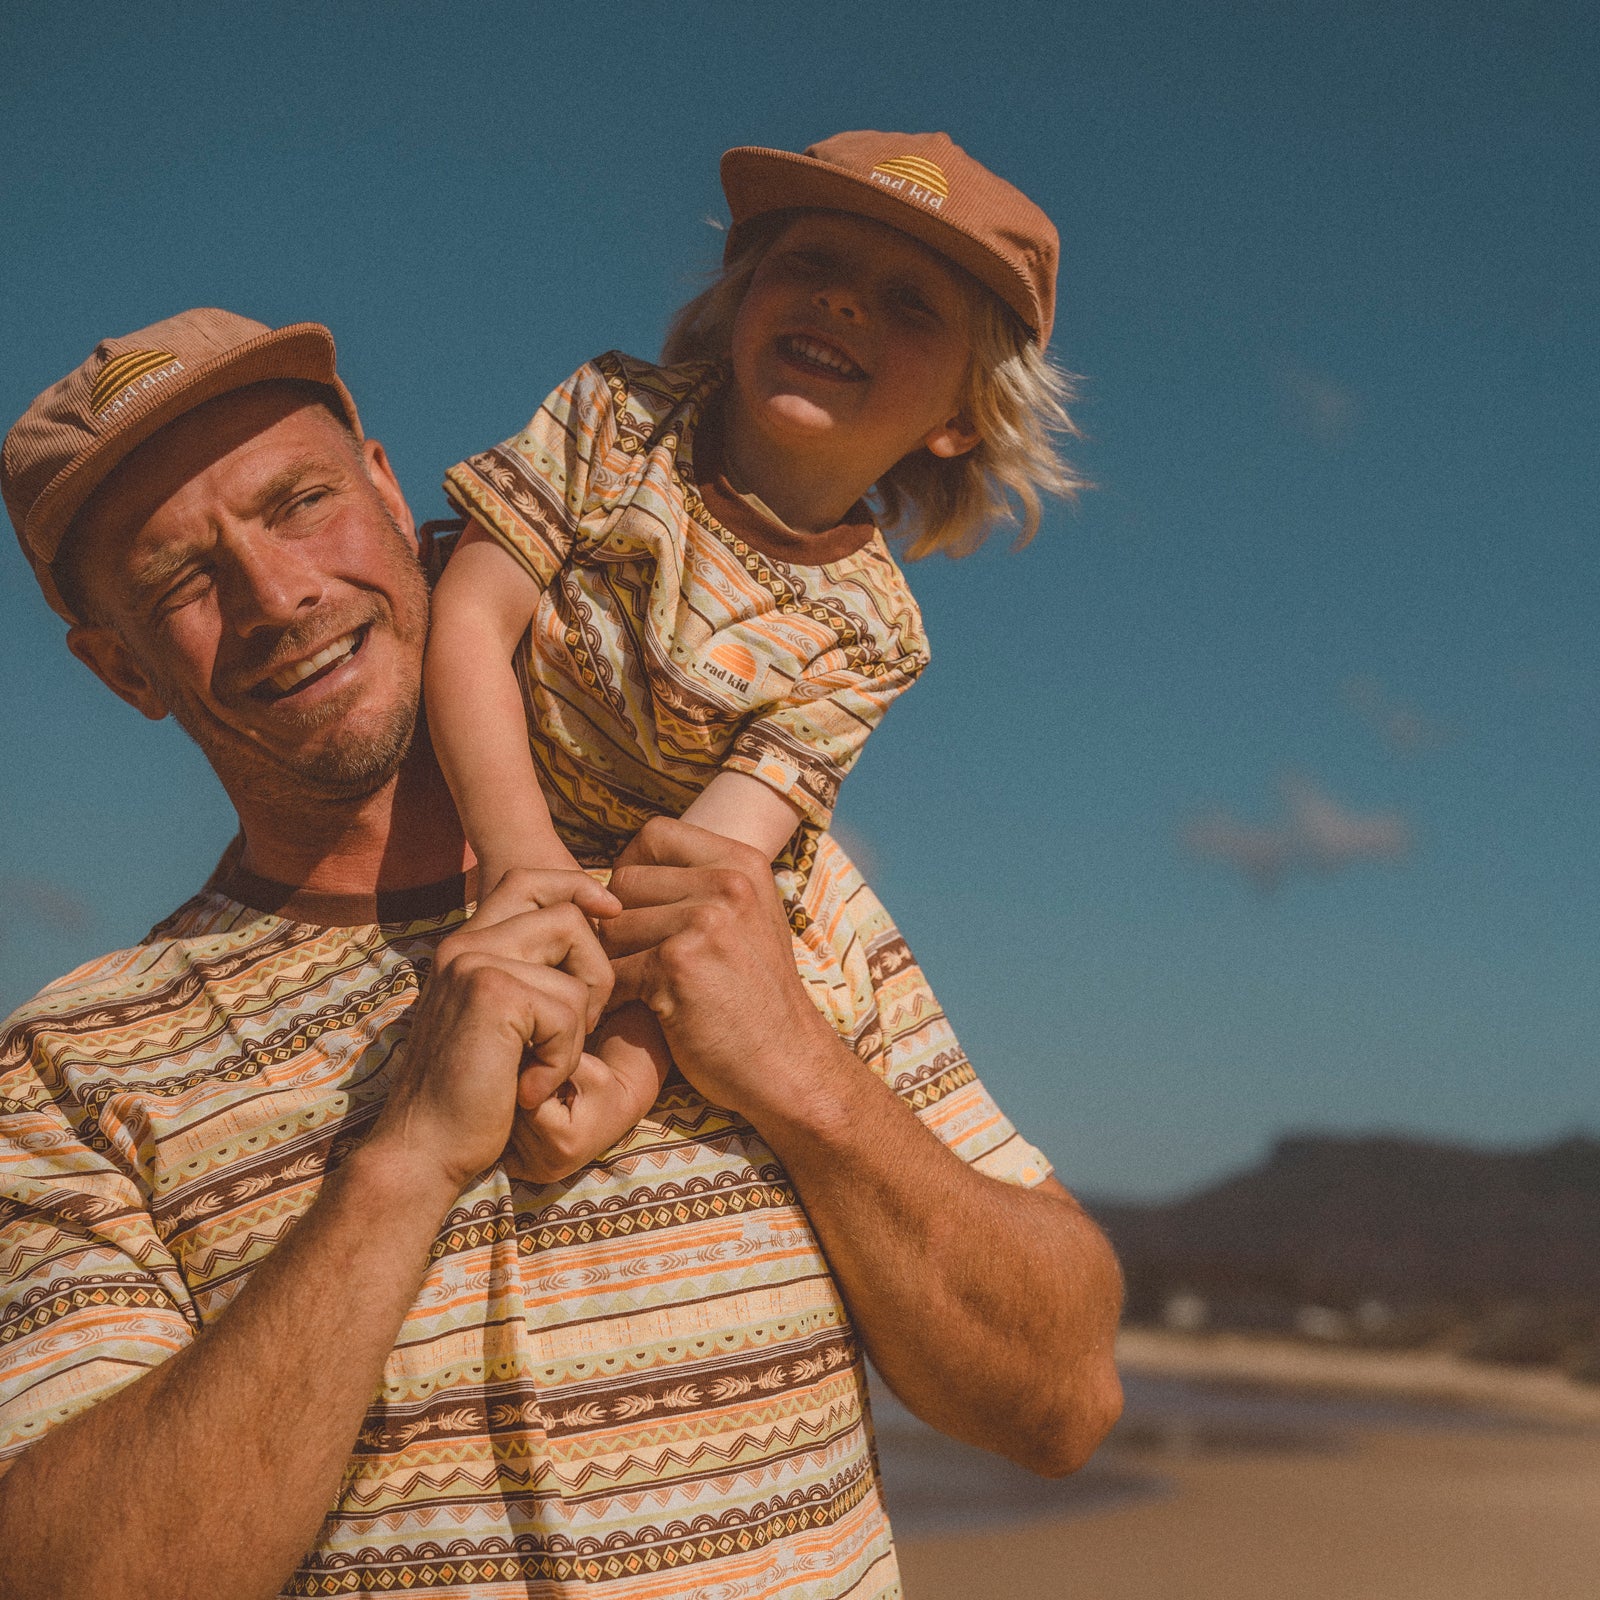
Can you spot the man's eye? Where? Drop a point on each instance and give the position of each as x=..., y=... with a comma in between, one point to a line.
x=305, y=501
x=910, y=300
x=189, y=587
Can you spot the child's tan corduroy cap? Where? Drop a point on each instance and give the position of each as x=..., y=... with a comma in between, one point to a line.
x=72, y=436
x=925, y=185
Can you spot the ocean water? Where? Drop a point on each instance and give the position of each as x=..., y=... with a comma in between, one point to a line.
x=933, y=1484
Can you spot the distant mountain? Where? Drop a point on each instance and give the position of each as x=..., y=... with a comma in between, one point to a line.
x=1338, y=1221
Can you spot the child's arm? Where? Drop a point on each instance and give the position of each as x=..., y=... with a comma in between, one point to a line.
x=481, y=609
x=744, y=808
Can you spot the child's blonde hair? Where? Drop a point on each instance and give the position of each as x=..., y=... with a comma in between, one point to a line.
x=1014, y=396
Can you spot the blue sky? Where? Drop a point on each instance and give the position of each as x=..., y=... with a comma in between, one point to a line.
x=1259, y=792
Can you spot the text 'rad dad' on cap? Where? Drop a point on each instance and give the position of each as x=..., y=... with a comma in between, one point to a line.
x=73, y=435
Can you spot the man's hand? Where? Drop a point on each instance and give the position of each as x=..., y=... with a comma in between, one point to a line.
x=703, y=941
x=287, y=1373
x=502, y=1016
x=989, y=1308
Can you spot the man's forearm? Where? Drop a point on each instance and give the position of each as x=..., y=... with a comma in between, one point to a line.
x=990, y=1309
x=211, y=1474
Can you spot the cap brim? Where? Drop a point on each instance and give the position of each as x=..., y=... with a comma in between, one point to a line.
x=759, y=181
x=303, y=351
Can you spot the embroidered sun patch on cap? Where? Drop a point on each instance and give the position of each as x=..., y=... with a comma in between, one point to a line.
x=124, y=377
x=915, y=178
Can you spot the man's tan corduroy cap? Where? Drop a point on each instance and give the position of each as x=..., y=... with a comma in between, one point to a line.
x=76, y=432
x=925, y=185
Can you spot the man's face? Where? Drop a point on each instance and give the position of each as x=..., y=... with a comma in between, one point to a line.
x=251, y=573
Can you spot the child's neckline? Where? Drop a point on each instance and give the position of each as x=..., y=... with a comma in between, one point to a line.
x=749, y=520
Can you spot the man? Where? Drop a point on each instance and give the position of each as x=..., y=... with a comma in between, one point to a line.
x=273, y=1316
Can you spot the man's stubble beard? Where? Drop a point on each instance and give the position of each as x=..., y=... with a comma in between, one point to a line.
x=334, y=773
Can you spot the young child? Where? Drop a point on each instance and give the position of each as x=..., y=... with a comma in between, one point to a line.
x=673, y=594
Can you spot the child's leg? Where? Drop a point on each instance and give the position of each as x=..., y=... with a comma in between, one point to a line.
x=612, y=1089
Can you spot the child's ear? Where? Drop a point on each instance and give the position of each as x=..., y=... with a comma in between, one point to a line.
x=955, y=436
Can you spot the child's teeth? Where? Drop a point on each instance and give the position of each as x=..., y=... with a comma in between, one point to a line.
x=822, y=356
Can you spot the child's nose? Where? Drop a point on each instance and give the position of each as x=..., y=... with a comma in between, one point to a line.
x=841, y=299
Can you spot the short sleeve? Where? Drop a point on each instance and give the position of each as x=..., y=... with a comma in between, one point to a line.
x=926, y=1066
x=909, y=1042
x=530, y=492
x=90, y=1298
x=805, y=743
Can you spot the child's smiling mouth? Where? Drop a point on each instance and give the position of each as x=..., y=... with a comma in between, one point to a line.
x=820, y=357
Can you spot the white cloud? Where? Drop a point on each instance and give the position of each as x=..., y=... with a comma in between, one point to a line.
x=1402, y=727
x=1318, y=406
x=1314, y=836
x=714, y=222
x=37, y=900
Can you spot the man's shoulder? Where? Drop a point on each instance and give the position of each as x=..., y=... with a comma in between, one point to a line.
x=130, y=982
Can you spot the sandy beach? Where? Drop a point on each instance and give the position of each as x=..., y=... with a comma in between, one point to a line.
x=1397, y=1512
x=1431, y=1375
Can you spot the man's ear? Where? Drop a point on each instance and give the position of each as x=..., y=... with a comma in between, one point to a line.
x=384, y=481
x=955, y=436
x=102, y=651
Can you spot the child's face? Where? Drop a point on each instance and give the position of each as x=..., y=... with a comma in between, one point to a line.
x=853, y=338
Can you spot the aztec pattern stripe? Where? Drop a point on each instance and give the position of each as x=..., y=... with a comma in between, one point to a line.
x=122, y=370
x=632, y=1385
x=749, y=663
x=918, y=171
x=636, y=569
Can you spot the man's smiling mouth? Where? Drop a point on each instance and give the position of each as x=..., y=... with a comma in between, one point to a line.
x=819, y=356
x=298, y=674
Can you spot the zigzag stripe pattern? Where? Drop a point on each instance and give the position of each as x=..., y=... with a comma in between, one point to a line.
x=633, y=1385
x=646, y=592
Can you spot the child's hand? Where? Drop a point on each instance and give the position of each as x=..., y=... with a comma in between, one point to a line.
x=609, y=1092
x=630, y=853
x=557, y=1137
x=554, y=857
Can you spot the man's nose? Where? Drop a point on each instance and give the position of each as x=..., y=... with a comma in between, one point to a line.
x=266, y=582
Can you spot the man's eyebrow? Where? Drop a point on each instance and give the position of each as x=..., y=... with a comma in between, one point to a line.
x=287, y=479
x=152, y=572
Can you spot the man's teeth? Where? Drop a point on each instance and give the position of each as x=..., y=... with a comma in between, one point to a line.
x=299, y=671
x=824, y=357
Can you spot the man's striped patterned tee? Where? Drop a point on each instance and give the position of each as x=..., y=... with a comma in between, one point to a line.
x=638, y=1383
